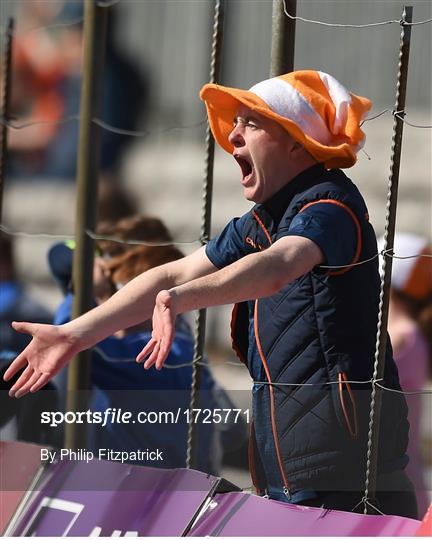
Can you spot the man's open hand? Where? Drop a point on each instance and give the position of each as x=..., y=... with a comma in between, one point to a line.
x=49, y=350
x=159, y=346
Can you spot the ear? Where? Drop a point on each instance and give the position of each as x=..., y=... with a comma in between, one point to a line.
x=300, y=154
x=295, y=149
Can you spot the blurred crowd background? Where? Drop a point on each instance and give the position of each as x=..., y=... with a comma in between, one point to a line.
x=157, y=59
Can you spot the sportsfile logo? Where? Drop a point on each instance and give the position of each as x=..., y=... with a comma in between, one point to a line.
x=108, y=416
x=119, y=416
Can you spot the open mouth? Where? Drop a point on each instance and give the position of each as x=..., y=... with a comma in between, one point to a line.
x=245, y=166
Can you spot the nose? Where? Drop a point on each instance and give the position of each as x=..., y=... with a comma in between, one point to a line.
x=235, y=138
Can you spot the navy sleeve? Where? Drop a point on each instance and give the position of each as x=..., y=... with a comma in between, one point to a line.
x=329, y=226
x=228, y=246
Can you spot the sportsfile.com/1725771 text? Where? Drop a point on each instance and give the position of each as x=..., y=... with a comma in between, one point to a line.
x=119, y=416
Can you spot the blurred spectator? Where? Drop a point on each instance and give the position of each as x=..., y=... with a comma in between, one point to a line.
x=37, y=77
x=136, y=227
x=410, y=329
x=46, y=86
x=118, y=381
x=16, y=305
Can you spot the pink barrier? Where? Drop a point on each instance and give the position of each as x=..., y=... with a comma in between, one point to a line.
x=102, y=498
x=19, y=463
x=238, y=514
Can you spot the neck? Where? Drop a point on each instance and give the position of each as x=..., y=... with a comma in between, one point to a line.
x=302, y=165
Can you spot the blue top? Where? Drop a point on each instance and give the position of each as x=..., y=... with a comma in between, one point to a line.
x=327, y=225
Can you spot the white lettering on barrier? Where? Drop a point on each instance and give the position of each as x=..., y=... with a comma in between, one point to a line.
x=97, y=532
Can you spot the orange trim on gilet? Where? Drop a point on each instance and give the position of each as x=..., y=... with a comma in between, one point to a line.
x=356, y=223
x=261, y=224
x=353, y=431
x=272, y=404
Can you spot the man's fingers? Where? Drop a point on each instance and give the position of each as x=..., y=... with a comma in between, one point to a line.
x=26, y=387
x=19, y=362
x=43, y=379
x=23, y=327
x=25, y=376
x=153, y=357
x=146, y=351
x=163, y=353
x=158, y=349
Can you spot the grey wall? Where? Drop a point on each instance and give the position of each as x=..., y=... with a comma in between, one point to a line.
x=173, y=38
x=170, y=39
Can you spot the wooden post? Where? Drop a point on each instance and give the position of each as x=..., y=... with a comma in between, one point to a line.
x=283, y=38
x=86, y=205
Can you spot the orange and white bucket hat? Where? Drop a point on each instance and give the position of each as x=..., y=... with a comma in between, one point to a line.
x=312, y=106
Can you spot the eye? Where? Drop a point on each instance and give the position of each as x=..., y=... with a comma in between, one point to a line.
x=246, y=122
x=251, y=122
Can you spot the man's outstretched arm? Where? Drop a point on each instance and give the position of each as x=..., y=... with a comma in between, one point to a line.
x=54, y=346
x=254, y=276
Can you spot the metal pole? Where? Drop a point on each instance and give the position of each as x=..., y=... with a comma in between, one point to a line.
x=7, y=76
x=87, y=179
x=381, y=345
x=200, y=322
x=283, y=37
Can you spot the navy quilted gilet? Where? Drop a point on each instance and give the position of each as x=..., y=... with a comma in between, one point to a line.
x=319, y=329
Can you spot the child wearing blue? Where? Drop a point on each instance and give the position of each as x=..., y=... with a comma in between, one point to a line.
x=118, y=381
